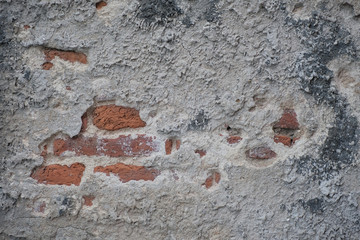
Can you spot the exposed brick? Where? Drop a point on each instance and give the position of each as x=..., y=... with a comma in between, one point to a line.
x=287, y=141
x=100, y=5
x=261, y=153
x=44, y=152
x=47, y=65
x=112, y=117
x=59, y=146
x=177, y=144
x=42, y=207
x=26, y=27
x=88, y=200
x=209, y=182
x=129, y=172
x=168, y=146
x=233, y=139
x=123, y=146
x=68, y=88
x=288, y=120
x=200, y=152
x=217, y=177
x=213, y=178
x=70, y=56
x=59, y=174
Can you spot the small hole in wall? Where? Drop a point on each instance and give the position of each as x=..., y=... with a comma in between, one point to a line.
x=298, y=7
x=152, y=113
x=228, y=128
x=47, y=65
x=237, y=100
x=100, y=5
x=252, y=109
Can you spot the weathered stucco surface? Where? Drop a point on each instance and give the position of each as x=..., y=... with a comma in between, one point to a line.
x=198, y=71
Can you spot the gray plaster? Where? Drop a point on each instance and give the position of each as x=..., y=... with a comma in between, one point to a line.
x=192, y=68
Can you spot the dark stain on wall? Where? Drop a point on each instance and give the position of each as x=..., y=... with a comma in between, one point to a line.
x=324, y=40
x=158, y=10
x=199, y=122
x=161, y=11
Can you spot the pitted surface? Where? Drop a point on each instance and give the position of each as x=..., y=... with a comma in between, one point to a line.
x=210, y=82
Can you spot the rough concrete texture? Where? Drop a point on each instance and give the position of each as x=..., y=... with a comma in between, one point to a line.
x=211, y=79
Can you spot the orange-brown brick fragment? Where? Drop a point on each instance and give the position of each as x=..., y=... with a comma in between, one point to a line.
x=233, y=139
x=177, y=144
x=100, y=5
x=88, y=200
x=200, y=152
x=59, y=146
x=287, y=141
x=70, y=56
x=209, y=182
x=47, y=65
x=59, y=174
x=288, y=120
x=168, y=146
x=129, y=172
x=44, y=152
x=112, y=117
x=215, y=177
x=261, y=153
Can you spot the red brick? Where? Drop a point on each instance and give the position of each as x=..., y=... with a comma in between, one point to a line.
x=288, y=120
x=177, y=144
x=168, y=146
x=70, y=56
x=100, y=5
x=88, y=200
x=47, y=65
x=26, y=27
x=217, y=177
x=123, y=146
x=129, y=172
x=261, y=153
x=44, y=152
x=68, y=88
x=59, y=174
x=287, y=141
x=233, y=139
x=208, y=182
x=213, y=178
x=42, y=207
x=200, y=152
x=59, y=146
x=112, y=117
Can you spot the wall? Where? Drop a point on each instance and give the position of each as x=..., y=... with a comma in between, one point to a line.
x=179, y=119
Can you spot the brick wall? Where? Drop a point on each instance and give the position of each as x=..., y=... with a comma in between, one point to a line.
x=123, y=123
